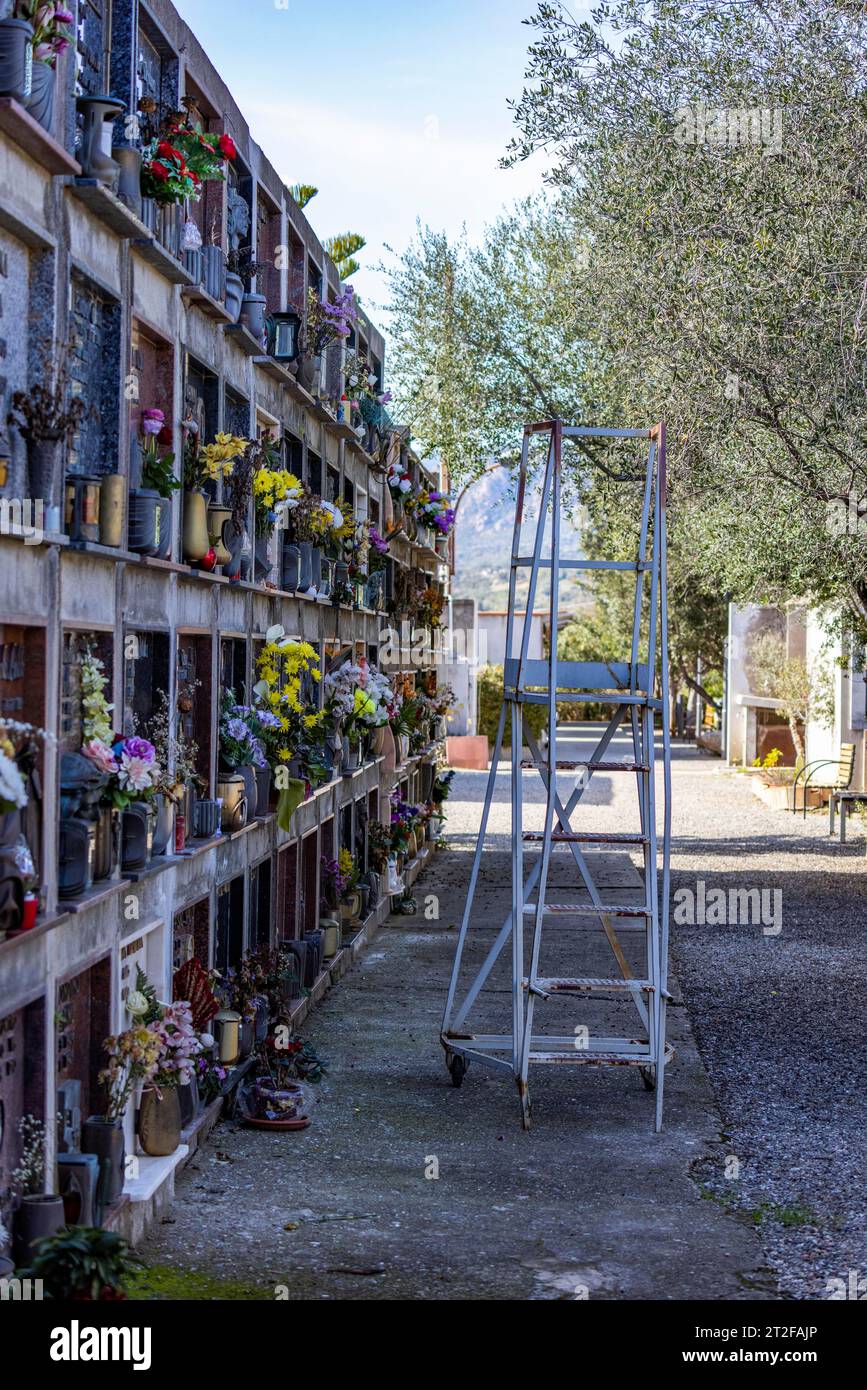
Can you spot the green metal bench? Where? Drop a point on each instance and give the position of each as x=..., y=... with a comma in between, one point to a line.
x=841, y=793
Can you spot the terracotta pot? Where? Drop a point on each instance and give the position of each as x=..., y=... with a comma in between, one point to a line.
x=105, y=1139
x=159, y=1121
x=36, y=1218
x=196, y=543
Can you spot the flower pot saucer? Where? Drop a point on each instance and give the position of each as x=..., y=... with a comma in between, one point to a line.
x=301, y=1122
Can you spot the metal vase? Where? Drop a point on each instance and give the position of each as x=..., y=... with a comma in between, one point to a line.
x=43, y=469
x=159, y=1121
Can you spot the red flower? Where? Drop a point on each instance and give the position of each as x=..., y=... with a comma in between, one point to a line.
x=227, y=147
x=166, y=151
x=159, y=171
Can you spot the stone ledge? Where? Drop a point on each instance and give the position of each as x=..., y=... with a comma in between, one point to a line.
x=30, y=136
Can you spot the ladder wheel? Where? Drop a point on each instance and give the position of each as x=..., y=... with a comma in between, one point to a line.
x=648, y=1078
x=458, y=1069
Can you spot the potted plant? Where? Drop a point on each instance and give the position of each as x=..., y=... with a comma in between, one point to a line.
x=295, y=742
x=326, y=323
x=176, y=161
x=238, y=490
x=133, y=776
x=133, y=1056
x=203, y=465
x=176, y=758
x=159, y=1116
x=83, y=1264
x=241, y=753
x=39, y=1213
x=45, y=416
x=150, y=531
x=276, y=492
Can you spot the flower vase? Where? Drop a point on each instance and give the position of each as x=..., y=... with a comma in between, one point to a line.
x=263, y=561
x=291, y=565
x=40, y=102
x=305, y=575
x=16, y=59
x=95, y=163
x=37, y=1217
x=234, y=541
x=351, y=756
x=196, y=542
x=128, y=158
x=214, y=269
x=234, y=291
x=105, y=1139
x=217, y=518
x=159, y=1121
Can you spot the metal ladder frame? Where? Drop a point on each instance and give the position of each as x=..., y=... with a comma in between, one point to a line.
x=630, y=689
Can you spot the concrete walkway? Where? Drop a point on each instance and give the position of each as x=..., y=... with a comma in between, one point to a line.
x=590, y=1203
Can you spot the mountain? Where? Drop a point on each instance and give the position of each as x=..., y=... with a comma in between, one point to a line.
x=483, y=546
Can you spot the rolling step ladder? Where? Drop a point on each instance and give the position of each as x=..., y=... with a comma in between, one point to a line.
x=635, y=690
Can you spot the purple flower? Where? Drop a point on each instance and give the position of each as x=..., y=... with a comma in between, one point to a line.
x=152, y=421
x=139, y=748
x=236, y=728
x=377, y=542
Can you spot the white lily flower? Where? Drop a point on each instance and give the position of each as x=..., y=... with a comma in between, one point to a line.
x=275, y=633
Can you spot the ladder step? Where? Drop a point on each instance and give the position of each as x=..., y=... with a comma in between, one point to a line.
x=526, y=561
x=582, y=910
x=584, y=837
x=575, y=697
x=569, y=766
x=578, y=1058
x=567, y=986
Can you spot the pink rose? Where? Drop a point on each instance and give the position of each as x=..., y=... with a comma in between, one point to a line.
x=101, y=755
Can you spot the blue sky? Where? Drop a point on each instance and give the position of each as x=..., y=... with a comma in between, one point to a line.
x=394, y=109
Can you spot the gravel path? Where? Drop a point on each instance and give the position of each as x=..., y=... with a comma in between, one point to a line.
x=779, y=1018
x=590, y=1203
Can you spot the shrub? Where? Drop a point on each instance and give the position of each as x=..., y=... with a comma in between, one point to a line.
x=490, y=702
